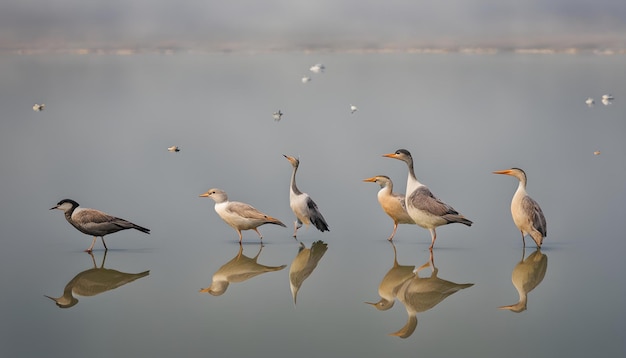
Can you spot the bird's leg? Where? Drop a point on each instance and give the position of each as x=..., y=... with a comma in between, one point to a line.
x=257, y=231
x=523, y=239
x=104, y=243
x=239, y=232
x=93, y=242
x=393, y=233
x=433, y=235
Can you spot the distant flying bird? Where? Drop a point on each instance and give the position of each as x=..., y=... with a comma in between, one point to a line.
x=277, y=115
x=527, y=214
x=302, y=205
x=38, y=107
x=94, y=222
x=173, y=148
x=306, y=79
x=392, y=203
x=590, y=102
x=597, y=152
x=608, y=97
x=317, y=68
x=239, y=216
x=353, y=109
x=423, y=207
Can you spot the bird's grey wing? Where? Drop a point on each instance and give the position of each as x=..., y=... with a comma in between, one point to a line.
x=534, y=211
x=245, y=210
x=423, y=199
x=315, y=216
x=400, y=198
x=91, y=218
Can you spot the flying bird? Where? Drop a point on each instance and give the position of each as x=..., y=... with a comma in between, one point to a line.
x=94, y=222
x=174, y=148
x=423, y=207
x=317, y=68
x=392, y=203
x=590, y=102
x=39, y=107
x=353, y=109
x=302, y=205
x=305, y=79
x=240, y=216
x=527, y=215
x=277, y=115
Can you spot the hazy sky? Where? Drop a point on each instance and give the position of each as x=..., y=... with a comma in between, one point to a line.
x=320, y=23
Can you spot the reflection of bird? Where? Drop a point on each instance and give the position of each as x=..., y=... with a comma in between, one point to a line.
x=317, y=68
x=590, y=102
x=277, y=115
x=303, y=265
x=239, y=269
x=421, y=294
x=93, y=282
x=239, y=216
x=94, y=222
x=39, y=107
x=390, y=284
x=302, y=205
x=392, y=203
x=353, y=108
x=424, y=208
x=173, y=148
x=527, y=275
x=527, y=214
x=306, y=79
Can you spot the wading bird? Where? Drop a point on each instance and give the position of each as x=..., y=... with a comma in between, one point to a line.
x=240, y=216
x=423, y=207
x=302, y=205
x=392, y=203
x=94, y=222
x=527, y=214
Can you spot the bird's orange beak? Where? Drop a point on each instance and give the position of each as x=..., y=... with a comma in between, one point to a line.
x=370, y=180
x=390, y=155
x=205, y=195
x=507, y=172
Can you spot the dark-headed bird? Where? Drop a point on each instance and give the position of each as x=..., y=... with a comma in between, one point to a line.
x=94, y=222
x=425, y=209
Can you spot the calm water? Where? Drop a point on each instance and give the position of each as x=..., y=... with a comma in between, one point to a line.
x=102, y=141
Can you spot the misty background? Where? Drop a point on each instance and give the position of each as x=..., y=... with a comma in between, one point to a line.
x=310, y=25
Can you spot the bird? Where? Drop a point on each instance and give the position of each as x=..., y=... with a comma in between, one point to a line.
x=94, y=281
x=392, y=203
x=303, y=265
x=39, y=107
x=302, y=205
x=590, y=102
x=240, y=216
x=305, y=79
x=526, y=213
x=353, y=109
x=174, y=148
x=94, y=222
x=239, y=269
x=277, y=115
x=423, y=207
x=526, y=276
x=317, y=68
x=608, y=97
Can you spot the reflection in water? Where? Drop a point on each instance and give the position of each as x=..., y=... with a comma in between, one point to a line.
x=239, y=269
x=303, y=265
x=389, y=286
x=94, y=281
x=527, y=275
x=421, y=294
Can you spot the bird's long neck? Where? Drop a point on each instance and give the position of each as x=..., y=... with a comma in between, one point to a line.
x=386, y=188
x=521, y=189
x=411, y=183
x=294, y=188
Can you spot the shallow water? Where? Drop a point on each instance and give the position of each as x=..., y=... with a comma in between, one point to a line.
x=102, y=140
